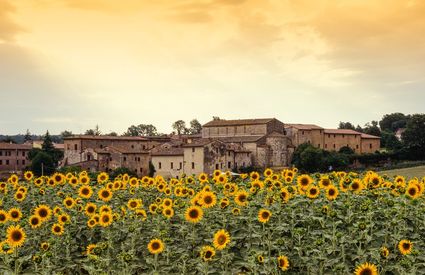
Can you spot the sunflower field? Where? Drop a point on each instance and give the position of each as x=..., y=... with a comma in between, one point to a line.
x=270, y=223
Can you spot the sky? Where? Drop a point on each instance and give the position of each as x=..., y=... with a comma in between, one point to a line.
x=74, y=64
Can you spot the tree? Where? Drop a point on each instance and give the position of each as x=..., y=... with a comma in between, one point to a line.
x=216, y=118
x=141, y=130
x=93, y=132
x=112, y=134
x=27, y=136
x=372, y=128
x=346, y=125
x=390, y=141
x=195, y=127
x=179, y=126
x=346, y=150
x=359, y=129
x=414, y=136
x=42, y=164
x=152, y=169
x=8, y=139
x=393, y=122
x=47, y=144
x=66, y=133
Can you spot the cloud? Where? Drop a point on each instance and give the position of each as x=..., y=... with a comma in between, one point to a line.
x=8, y=28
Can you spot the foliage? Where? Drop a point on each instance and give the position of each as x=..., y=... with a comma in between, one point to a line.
x=372, y=129
x=93, y=132
x=152, y=169
x=346, y=150
x=42, y=164
x=346, y=125
x=390, y=141
x=317, y=234
x=141, y=130
x=414, y=136
x=180, y=127
x=393, y=122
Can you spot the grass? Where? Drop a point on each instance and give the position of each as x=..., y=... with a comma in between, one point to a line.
x=418, y=171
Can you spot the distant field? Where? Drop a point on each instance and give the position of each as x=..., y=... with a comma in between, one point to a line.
x=411, y=172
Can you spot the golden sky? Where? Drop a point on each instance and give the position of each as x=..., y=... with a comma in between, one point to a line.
x=72, y=64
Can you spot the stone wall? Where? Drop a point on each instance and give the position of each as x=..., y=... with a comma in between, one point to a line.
x=370, y=145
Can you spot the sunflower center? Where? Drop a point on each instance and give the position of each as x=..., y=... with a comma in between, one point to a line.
x=85, y=191
x=68, y=202
x=221, y=239
x=14, y=214
x=90, y=209
x=34, y=221
x=105, y=219
x=331, y=192
x=57, y=229
x=313, y=191
x=155, y=245
x=355, y=186
x=194, y=214
x=412, y=191
x=16, y=235
x=208, y=199
x=366, y=271
x=105, y=194
x=42, y=213
x=133, y=204
x=265, y=215
x=406, y=246
x=208, y=254
x=242, y=198
x=2, y=217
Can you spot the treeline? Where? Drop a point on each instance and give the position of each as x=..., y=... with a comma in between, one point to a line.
x=409, y=146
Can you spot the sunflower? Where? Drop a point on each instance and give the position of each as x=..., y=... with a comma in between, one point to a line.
x=208, y=199
x=304, y=181
x=155, y=246
x=90, y=209
x=44, y=212
x=168, y=212
x=133, y=204
x=91, y=223
x=268, y=172
x=134, y=182
x=152, y=208
x=58, y=178
x=28, y=175
x=313, y=192
x=84, y=179
x=35, y=221
x=216, y=173
x=405, y=247
x=324, y=182
x=356, y=186
x=332, y=193
x=260, y=259
x=241, y=198
x=19, y=196
x=63, y=218
x=167, y=203
x=282, y=262
x=44, y=246
x=264, y=215
x=141, y=213
x=203, y=177
x=207, y=253
x=69, y=202
x=385, y=252
x=284, y=194
x=90, y=249
x=4, y=216
x=236, y=211
x=57, y=210
x=105, y=194
x=57, y=229
x=14, y=214
x=194, y=214
x=366, y=269
x=224, y=203
x=102, y=177
x=221, y=239
x=85, y=192
x=105, y=208
x=105, y=219
x=412, y=191
x=15, y=236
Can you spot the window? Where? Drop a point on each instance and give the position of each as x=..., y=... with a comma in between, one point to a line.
x=141, y=170
x=138, y=159
x=193, y=165
x=101, y=146
x=180, y=165
x=23, y=162
x=357, y=146
x=110, y=158
x=343, y=136
x=125, y=158
x=334, y=135
x=17, y=161
x=326, y=146
x=216, y=166
x=302, y=132
x=144, y=147
x=1, y=153
x=1, y=162
x=221, y=165
x=334, y=146
x=229, y=165
x=243, y=164
x=172, y=165
x=132, y=146
x=88, y=157
x=7, y=162
x=216, y=150
x=329, y=136
x=23, y=153
x=67, y=148
x=75, y=147
x=159, y=165
x=247, y=154
x=370, y=146
x=236, y=165
x=318, y=145
x=228, y=153
x=193, y=149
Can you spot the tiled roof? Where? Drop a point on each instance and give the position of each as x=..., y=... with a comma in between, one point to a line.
x=13, y=146
x=236, y=122
x=87, y=137
x=199, y=142
x=369, y=136
x=342, y=132
x=303, y=126
x=122, y=150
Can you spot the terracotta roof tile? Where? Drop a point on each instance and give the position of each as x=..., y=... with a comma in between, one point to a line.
x=342, y=132
x=237, y=122
x=13, y=146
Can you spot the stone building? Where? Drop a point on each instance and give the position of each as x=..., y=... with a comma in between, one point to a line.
x=14, y=157
x=266, y=139
x=332, y=139
x=106, y=153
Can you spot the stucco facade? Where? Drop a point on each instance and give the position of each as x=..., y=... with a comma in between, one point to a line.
x=14, y=157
